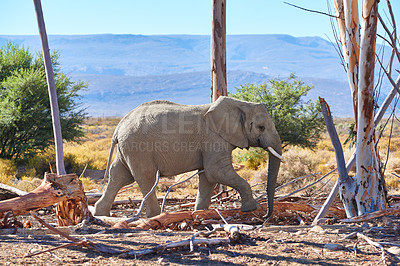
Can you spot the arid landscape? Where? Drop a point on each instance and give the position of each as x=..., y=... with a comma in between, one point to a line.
x=296, y=160
x=287, y=239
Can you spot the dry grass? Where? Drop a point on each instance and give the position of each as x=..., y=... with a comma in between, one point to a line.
x=92, y=150
x=88, y=183
x=7, y=171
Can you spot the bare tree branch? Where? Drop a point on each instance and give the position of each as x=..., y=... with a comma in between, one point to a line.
x=310, y=10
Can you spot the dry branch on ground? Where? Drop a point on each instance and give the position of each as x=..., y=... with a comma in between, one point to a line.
x=165, y=220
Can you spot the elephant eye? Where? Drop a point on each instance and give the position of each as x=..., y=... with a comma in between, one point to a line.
x=261, y=128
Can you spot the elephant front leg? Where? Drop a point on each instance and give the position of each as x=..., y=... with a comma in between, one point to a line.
x=241, y=185
x=204, y=193
x=225, y=174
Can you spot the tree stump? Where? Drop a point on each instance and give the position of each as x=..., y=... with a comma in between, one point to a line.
x=66, y=190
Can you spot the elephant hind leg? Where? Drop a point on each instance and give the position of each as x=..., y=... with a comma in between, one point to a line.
x=146, y=180
x=119, y=176
x=204, y=193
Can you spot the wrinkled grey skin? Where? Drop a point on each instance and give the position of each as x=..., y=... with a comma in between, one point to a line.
x=174, y=139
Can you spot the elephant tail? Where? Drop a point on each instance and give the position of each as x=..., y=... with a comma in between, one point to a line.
x=114, y=142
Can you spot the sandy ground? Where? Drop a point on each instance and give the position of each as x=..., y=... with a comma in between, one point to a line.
x=272, y=245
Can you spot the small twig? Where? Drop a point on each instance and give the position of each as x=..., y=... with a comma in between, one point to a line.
x=295, y=180
x=391, y=36
x=312, y=11
x=84, y=169
x=55, y=248
x=388, y=75
x=396, y=175
x=374, y=244
x=136, y=216
x=315, y=194
x=51, y=169
x=55, y=230
x=307, y=186
x=220, y=215
x=224, y=191
x=202, y=233
x=169, y=189
x=75, y=241
x=162, y=247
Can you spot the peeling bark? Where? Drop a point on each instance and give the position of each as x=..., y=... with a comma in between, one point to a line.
x=218, y=50
x=369, y=181
x=349, y=29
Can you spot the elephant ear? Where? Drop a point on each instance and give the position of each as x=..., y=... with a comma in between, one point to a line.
x=226, y=117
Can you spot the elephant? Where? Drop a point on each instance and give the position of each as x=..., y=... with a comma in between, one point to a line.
x=175, y=138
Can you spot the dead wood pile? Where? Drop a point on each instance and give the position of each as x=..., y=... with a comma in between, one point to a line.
x=181, y=219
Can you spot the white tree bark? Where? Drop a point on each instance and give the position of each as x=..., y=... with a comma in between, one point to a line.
x=370, y=189
x=360, y=62
x=52, y=90
x=352, y=46
x=218, y=49
x=349, y=30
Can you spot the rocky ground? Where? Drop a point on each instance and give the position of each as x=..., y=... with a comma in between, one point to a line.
x=288, y=239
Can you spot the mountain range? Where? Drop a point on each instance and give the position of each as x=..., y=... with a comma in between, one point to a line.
x=124, y=71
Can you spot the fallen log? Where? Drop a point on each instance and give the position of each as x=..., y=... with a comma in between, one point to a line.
x=165, y=219
x=372, y=215
x=54, y=189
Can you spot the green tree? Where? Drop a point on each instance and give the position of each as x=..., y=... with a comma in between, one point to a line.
x=298, y=122
x=25, y=118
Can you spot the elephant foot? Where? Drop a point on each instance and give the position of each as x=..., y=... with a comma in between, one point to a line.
x=154, y=211
x=101, y=213
x=249, y=206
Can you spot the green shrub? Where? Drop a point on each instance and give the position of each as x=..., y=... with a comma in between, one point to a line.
x=25, y=118
x=298, y=122
x=252, y=158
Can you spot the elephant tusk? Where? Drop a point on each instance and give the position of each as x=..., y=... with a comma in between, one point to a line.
x=277, y=155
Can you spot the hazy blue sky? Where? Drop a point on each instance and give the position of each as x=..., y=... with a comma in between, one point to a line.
x=168, y=17
x=163, y=17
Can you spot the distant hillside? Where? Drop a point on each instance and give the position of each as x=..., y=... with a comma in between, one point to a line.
x=138, y=55
x=126, y=70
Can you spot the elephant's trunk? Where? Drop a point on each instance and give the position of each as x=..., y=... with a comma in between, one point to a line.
x=273, y=168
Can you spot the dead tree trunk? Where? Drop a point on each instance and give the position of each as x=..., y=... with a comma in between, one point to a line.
x=218, y=54
x=55, y=115
x=378, y=117
x=370, y=188
x=346, y=183
x=218, y=49
x=70, y=211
